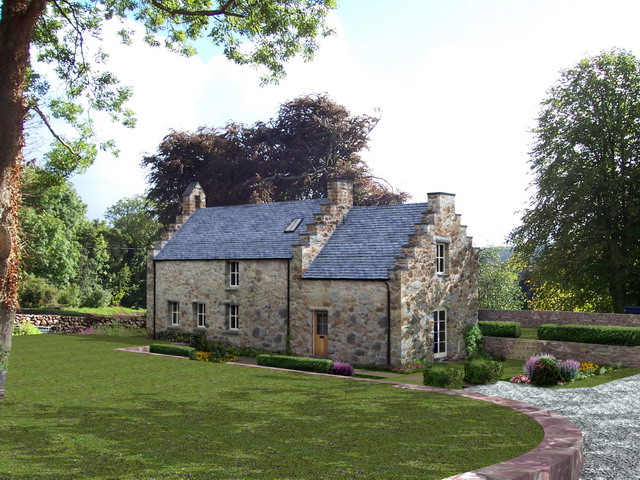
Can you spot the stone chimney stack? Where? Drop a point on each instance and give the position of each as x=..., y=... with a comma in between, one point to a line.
x=340, y=192
x=193, y=199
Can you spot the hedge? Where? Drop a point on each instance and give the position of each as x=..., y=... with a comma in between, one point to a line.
x=481, y=371
x=500, y=329
x=319, y=365
x=443, y=376
x=625, y=336
x=178, y=350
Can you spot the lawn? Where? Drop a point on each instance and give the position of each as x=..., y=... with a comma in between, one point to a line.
x=76, y=409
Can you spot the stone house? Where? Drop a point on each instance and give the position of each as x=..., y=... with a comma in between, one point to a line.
x=321, y=277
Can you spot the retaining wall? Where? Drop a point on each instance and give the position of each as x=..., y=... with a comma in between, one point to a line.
x=523, y=349
x=535, y=318
x=75, y=324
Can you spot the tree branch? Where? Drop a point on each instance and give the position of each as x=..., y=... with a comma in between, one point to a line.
x=34, y=106
x=198, y=13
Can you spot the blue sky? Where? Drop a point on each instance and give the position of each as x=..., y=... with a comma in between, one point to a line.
x=457, y=84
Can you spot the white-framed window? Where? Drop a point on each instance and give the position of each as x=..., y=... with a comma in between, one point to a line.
x=200, y=311
x=233, y=317
x=174, y=313
x=439, y=333
x=233, y=269
x=441, y=258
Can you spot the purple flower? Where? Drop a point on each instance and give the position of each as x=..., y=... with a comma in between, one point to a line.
x=528, y=366
x=341, y=368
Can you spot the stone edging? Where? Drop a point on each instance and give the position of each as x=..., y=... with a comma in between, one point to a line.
x=560, y=455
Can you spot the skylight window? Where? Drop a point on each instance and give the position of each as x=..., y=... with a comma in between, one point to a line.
x=293, y=225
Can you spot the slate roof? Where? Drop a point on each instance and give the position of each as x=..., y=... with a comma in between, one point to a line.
x=366, y=243
x=240, y=231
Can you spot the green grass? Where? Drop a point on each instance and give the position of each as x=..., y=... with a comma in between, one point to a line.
x=77, y=409
x=82, y=311
x=529, y=333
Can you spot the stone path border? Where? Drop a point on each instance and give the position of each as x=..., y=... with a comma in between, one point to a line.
x=558, y=457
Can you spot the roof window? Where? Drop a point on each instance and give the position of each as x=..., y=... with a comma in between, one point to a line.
x=293, y=225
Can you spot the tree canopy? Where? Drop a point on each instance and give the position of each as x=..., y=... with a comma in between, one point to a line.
x=498, y=282
x=581, y=230
x=288, y=157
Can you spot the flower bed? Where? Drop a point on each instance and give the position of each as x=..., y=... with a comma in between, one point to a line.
x=545, y=370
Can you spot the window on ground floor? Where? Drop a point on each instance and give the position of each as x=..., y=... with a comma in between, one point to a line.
x=174, y=313
x=200, y=312
x=233, y=317
x=439, y=333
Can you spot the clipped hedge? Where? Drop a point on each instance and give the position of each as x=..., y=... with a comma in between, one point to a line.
x=624, y=336
x=500, y=329
x=178, y=350
x=481, y=371
x=319, y=365
x=443, y=376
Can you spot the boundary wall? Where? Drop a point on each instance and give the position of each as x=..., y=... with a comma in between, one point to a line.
x=535, y=318
x=76, y=324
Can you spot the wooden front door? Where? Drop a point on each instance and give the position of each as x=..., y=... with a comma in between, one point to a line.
x=321, y=333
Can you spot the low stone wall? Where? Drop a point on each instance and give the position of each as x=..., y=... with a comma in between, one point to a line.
x=75, y=324
x=523, y=349
x=535, y=318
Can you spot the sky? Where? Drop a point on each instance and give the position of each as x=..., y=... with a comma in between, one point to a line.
x=457, y=83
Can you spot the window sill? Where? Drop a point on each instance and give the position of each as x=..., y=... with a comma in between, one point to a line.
x=442, y=275
x=231, y=332
x=231, y=289
x=173, y=327
x=199, y=329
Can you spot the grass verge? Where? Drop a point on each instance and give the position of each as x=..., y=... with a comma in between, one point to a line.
x=77, y=409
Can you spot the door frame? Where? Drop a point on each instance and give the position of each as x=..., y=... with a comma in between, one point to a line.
x=439, y=354
x=314, y=316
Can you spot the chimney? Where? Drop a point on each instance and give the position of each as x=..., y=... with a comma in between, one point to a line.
x=340, y=192
x=193, y=198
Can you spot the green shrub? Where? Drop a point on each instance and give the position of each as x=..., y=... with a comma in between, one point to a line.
x=200, y=342
x=443, y=376
x=500, y=329
x=36, y=292
x=545, y=372
x=320, y=365
x=482, y=371
x=96, y=297
x=25, y=328
x=604, y=335
x=177, y=350
x=70, y=296
x=472, y=339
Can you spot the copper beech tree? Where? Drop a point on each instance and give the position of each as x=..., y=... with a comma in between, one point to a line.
x=289, y=157
x=34, y=33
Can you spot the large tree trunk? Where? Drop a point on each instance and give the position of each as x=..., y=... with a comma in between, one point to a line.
x=17, y=24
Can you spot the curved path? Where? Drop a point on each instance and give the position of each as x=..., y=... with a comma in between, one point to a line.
x=608, y=415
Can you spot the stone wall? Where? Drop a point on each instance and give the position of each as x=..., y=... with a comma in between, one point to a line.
x=357, y=311
x=523, y=349
x=76, y=324
x=423, y=290
x=261, y=298
x=535, y=318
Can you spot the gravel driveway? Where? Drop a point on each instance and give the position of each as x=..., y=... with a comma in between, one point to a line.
x=608, y=415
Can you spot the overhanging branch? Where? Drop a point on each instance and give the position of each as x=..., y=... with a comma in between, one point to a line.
x=222, y=11
x=34, y=106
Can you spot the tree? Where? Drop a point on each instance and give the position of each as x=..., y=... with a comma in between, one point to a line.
x=498, y=282
x=287, y=158
x=581, y=230
x=133, y=230
x=265, y=34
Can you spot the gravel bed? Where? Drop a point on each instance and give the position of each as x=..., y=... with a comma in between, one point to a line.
x=608, y=415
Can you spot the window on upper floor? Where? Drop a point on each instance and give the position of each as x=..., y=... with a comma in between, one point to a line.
x=174, y=313
x=233, y=272
x=441, y=258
